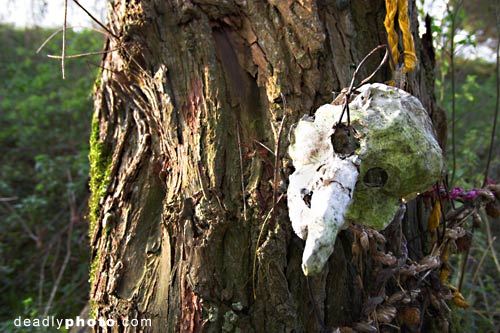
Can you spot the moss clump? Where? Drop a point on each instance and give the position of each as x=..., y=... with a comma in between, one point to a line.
x=93, y=310
x=100, y=163
x=97, y=82
x=100, y=166
x=92, y=275
x=399, y=153
x=93, y=268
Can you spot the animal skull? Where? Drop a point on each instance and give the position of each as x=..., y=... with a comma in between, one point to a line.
x=359, y=173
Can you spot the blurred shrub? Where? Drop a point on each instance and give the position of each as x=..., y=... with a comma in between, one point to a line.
x=44, y=129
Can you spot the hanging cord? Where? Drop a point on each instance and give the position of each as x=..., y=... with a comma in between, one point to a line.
x=410, y=59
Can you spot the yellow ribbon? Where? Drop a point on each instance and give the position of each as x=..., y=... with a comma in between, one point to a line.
x=410, y=59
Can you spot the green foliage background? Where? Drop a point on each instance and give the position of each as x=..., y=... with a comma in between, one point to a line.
x=44, y=129
x=475, y=99
x=475, y=102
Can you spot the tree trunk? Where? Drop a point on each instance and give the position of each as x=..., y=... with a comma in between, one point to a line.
x=184, y=178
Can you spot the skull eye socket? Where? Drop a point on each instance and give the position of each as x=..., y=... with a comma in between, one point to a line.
x=375, y=177
x=343, y=139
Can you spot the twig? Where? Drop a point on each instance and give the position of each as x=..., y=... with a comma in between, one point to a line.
x=486, y=315
x=481, y=261
x=491, y=239
x=64, y=29
x=55, y=287
x=254, y=266
x=81, y=55
x=242, y=178
x=464, y=263
x=495, y=117
x=42, y=278
x=60, y=30
x=23, y=224
x=109, y=34
x=264, y=146
x=485, y=298
x=64, y=38
x=96, y=20
x=6, y=199
x=453, y=110
x=277, y=156
x=48, y=40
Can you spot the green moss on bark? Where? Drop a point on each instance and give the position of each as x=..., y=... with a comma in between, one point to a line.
x=100, y=163
x=93, y=269
x=100, y=166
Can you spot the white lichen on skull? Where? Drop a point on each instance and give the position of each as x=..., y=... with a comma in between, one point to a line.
x=396, y=157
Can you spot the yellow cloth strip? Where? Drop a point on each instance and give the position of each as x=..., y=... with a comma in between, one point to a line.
x=400, y=7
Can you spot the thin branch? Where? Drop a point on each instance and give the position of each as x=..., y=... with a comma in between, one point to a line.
x=453, y=83
x=452, y=69
x=111, y=34
x=23, y=224
x=81, y=55
x=96, y=20
x=60, y=30
x=443, y=217
x=42, y=278
x=277, y=155
x=242, y=178
x=264, y=146
x=464, y=262
x=254, y=266
x=64, y=38
x=485, y=297
x=495, y=117
x=491, y=239
x=6, y=199
x=481, y=261
x=48, y=40
x=73, y=217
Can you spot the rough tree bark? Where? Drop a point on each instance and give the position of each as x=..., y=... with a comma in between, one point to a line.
x=188, y=111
